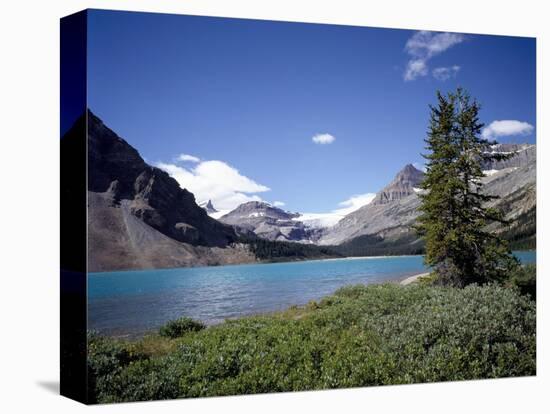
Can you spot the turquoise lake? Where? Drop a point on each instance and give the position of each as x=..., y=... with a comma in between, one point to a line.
x=131, y=303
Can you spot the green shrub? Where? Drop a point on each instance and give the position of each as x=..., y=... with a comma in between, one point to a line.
x=106, y=359
x=179, y=327
x=428, y=280
x=525, y=279
x=141, y=380
x=361, y=336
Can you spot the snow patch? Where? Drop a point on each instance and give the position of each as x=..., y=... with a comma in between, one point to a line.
x=324, y=220
x=218, y=214
x=503, y=152
x=319, y=220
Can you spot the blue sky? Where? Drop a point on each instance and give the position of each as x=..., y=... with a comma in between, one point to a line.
x=245, y=98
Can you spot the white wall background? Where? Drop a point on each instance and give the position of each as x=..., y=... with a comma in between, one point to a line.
x=29, y=207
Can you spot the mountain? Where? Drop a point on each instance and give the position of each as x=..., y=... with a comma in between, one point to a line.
x=117, y=170
x=388, y=220
x=393, y=206
x=139, y=217
x=405, y=183
x=517, y=188
x=269, y=222
x=208, y=207
x=524, y=154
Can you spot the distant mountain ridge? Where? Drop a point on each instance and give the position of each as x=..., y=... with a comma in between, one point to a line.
x=384, y=213
x=391, y=217
x=272, y=223
x=139, y=217
x=269, y=222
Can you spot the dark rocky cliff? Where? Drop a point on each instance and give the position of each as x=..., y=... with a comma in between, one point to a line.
x=138, y=217
x=116, y=168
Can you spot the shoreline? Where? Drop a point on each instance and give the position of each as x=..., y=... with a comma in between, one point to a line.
x=260, y=262
x=364, y=257
x=402, y=280
x=412, y=279
x=407, y=280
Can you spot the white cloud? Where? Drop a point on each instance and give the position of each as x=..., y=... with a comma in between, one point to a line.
x=354, y=203
x=444, y=73
x=416, y=68
x=278, y=204
x=188, y=158
x=424, y=45
x=323, y=139
x=331, y=218
x=428, y=44
x=506, y=128
x=216, y=181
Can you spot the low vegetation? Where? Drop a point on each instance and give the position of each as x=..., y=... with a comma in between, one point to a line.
x=525, y=280
x=367, y=245
x=360, y=336
x=374, y=245
x=523, y=235
x=274, y=251
x=179, y=327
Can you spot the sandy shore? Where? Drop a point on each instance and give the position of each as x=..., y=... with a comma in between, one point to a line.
x=363, y=257
x=413, y=278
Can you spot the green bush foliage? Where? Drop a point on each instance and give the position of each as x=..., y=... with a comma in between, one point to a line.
x=525, y=279
x=360, y=336
x=107, y=358
x=179, y=327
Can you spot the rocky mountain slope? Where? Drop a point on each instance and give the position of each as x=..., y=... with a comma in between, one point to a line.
x=119, y=240
x=394, y=206
x=524, y=154
x=269, y=222
x=405, y=183
x=139, y=217
x=391, y=216
x=386, y=222
x=518, y=191
x=114, y=167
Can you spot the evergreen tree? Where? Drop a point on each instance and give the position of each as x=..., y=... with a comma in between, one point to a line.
x=454, y=208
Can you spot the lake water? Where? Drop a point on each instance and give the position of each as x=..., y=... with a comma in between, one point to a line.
x=134, y=302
